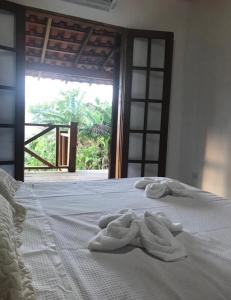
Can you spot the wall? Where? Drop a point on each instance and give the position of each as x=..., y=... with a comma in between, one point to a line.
x=168, y=15
x=200, y=124
x=206, y=135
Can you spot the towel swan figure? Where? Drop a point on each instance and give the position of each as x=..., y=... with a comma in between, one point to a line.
x=157, y=188
x=151, y=232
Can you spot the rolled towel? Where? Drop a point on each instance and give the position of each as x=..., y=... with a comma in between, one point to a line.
x=105, y=220
x=142, y=183
x=157, y=190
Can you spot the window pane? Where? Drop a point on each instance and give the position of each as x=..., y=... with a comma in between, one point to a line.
x=7, y=32
x=154, y=116
x=135, y=146
x=137, y=116
x=151, y=170
x=7, y=68
x=140, y=52
x=156, y=85
x=7, y=104
x=152, y=147
x=7, y=144
x=134, y=170
x=157, y=53
x=138, y=84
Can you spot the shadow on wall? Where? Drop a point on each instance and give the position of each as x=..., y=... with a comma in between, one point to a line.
x=206, y=138
x=205, y=152
x=211, y=163
x=216, y=172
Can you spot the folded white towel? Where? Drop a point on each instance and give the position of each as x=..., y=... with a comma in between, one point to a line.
x=142, y=183
x=150, y=232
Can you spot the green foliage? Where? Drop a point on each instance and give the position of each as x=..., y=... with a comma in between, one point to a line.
x=94, y=121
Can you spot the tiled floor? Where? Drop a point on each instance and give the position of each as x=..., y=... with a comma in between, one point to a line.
x=51, y=176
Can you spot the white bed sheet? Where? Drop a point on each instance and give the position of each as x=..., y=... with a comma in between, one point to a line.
x=62, y=217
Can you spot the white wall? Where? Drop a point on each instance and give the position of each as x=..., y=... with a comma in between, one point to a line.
x=206, y=134
x=146, y=14
x=167, y=15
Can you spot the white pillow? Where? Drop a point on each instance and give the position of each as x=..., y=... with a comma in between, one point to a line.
x=8, y=188
x=15, y=280
x=8, y=185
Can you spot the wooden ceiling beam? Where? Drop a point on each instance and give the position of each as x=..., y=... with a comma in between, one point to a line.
x=69, y=71
x=46, y=39
x=109, y=57
x=87, y=38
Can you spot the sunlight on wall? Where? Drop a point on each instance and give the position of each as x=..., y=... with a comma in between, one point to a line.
x=214, y=174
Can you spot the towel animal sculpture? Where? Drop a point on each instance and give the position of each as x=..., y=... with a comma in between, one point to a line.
x=153, y=232
x=156, y=188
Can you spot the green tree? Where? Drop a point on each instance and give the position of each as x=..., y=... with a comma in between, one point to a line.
x=94, y=120
x=69, y=107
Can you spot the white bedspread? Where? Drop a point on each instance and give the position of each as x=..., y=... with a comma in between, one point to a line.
x=62, y=217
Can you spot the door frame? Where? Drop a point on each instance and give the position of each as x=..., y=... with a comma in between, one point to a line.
x=116, y=83
x=114, y=117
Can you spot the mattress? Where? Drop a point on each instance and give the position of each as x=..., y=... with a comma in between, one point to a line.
x=62, y=217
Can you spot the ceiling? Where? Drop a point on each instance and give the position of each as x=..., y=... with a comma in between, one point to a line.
x=69, y=48
x=99, y=4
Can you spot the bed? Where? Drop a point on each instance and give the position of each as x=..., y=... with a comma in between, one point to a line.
x=62, y=217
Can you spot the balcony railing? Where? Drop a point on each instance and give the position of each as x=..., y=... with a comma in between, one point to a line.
x=65, y=146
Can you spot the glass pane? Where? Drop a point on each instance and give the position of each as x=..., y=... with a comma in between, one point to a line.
x=134, y=170
x=7, y=144
x=7, y=33
x=135, y=146
x=138, y=84
x=157, y=53
x=154, y=116
x=7, y=68
x=140, y=52
x=8, y=168
x=137, y=116
x=152, y=147
x=7, y=104
x=151, y=170
x=156, y=85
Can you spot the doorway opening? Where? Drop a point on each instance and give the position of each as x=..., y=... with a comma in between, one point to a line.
x=60, y=103
x=71, y=76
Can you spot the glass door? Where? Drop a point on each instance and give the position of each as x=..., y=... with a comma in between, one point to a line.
x=146, y=104
x=12, y=89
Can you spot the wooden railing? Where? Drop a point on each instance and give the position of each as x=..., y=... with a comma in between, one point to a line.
x=65, y=146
